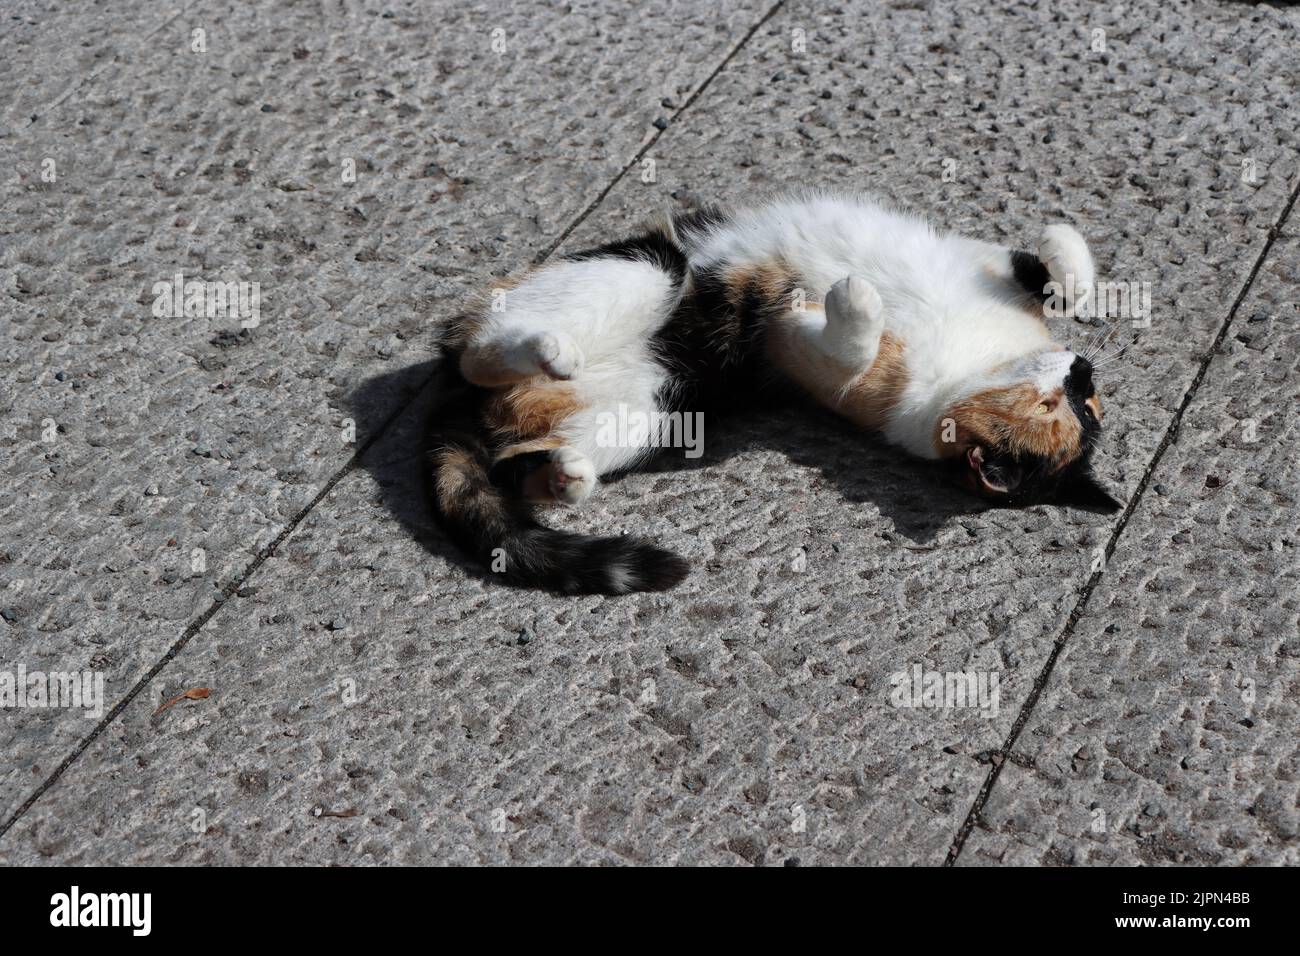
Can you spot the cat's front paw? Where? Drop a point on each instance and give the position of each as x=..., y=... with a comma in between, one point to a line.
x=555, y=354
x=573, y=476
x=1069, y=263
x=854, y=301
x=855, y=320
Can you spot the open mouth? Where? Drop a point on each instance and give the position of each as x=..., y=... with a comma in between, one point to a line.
x=994, y=474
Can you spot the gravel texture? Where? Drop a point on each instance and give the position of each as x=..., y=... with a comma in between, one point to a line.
x=372, y=700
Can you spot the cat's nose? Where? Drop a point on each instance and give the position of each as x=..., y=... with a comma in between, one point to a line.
x=1080, y=376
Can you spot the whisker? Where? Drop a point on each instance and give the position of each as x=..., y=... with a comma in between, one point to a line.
x=1110, y=361
x=1098, y=342
x=1111, y=343
x=1113, y=353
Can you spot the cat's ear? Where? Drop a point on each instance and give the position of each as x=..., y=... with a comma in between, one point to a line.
x=1082, y=491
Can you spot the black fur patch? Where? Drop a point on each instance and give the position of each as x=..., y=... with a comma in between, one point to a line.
x=654, y=248
x=693, y=227
x=508, y=474
x=1078, y=389
x=1030, y=273
x=714, y=348
x=711, y=346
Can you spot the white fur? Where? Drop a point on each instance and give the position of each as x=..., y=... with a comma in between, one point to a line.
x=947, y=297
x=597, y=316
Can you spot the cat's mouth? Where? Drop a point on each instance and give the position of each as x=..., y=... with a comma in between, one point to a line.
x=993, y=474
x=1012, y=481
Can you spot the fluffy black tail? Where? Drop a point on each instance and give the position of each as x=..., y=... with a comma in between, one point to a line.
x=499, y=530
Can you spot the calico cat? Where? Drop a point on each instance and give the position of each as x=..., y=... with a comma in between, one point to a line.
x=934, y=340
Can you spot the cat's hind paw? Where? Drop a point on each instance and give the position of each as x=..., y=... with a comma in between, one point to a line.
x=573, y=476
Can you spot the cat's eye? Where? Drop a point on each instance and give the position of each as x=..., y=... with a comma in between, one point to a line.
x=1043, y=408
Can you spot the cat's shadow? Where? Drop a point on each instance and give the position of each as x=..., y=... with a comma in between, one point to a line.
x=914, y=496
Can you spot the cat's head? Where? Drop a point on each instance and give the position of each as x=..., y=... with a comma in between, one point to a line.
x=1024, y=433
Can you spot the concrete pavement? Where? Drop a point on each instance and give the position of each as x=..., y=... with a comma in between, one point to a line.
x=209, y=502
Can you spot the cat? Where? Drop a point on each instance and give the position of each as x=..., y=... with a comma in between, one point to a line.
x=935, y=341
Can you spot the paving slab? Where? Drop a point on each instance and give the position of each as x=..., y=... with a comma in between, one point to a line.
x=49, y=49
x=372, y=700
x=1167, y=734
x=365, y=167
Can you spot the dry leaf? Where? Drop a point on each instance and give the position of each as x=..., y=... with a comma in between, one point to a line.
x=194, y=693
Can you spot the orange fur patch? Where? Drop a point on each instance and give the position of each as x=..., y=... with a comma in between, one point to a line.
x=874, y=394
x=531, y=410
x=524, y=447
x=866, y=398
x=485, y=365
x=770, y=281
x=453, y=467
x=462, y=485
x=1008, y=417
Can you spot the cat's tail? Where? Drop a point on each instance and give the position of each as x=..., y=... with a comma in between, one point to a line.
x=500, y=531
